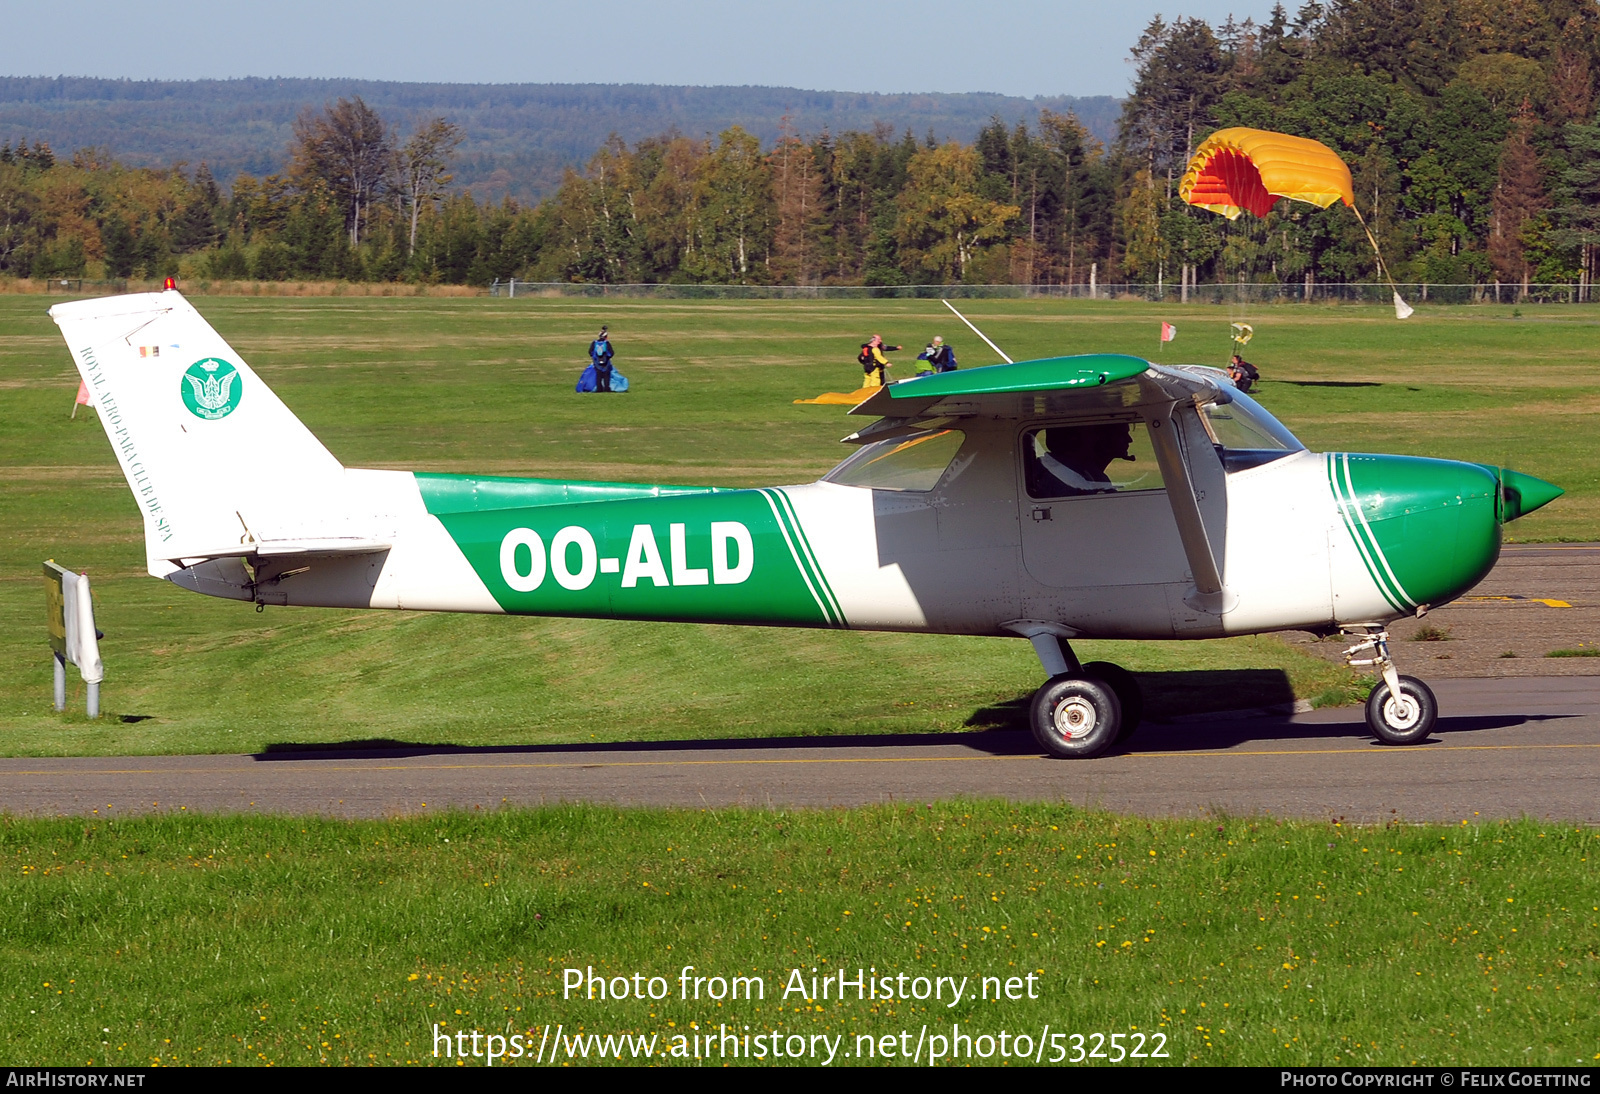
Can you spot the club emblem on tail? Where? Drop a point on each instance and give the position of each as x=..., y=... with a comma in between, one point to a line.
x=209, y=389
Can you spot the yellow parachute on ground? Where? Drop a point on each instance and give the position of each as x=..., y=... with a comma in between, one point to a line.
x=843, y=398
x=1247, y=170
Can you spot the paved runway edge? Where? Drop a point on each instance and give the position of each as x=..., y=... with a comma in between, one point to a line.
x=1505, y=748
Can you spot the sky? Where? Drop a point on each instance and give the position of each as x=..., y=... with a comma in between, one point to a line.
x=1016, y=47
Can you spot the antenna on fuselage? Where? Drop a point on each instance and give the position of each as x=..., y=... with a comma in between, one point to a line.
x=978, y=332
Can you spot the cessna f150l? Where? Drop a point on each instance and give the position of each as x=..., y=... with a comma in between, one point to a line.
x=1095, y=496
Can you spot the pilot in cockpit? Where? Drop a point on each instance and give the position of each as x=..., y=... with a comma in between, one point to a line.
x=1073, y=459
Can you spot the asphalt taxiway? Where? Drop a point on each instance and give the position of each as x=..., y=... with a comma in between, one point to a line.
x=1504, y=748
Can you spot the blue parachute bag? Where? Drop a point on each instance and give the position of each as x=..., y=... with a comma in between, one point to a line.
x=589, y=381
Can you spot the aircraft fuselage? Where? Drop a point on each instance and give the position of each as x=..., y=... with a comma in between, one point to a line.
x=1308, y=541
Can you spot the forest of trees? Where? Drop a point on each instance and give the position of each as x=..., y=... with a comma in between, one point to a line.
x=1469, y=127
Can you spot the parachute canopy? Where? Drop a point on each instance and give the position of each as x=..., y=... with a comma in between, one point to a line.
x=1247, y=170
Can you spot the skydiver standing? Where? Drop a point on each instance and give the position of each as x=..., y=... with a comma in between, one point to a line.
x=600, y=354
x=873, y=361
x=939, y=355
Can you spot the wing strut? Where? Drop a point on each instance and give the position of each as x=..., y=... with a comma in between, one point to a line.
x=1210, y=595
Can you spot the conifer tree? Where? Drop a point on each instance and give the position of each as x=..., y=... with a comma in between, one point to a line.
x=118, y=247
x=1518, y=198
x=797, y=186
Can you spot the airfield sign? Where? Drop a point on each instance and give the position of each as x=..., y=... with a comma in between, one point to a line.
x=73, y=636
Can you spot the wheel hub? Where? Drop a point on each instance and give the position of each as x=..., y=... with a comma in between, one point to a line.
x=1402, y=711
x=1074, y=717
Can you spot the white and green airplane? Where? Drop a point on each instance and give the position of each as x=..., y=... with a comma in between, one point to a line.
x=1093, y=496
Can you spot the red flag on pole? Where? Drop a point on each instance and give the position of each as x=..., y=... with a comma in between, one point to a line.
x=1168, y=332
x=84, y=398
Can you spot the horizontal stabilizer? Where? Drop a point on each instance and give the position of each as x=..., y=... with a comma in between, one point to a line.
x=291, y=548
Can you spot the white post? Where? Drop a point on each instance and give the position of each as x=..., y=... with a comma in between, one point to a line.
x=1094, y=270
x=61, y=681
x=513, y=295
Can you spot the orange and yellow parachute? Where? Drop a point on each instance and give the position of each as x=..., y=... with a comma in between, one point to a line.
x=1243, y=170
x=1247, y=170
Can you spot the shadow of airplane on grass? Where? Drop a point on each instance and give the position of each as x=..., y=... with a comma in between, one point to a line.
x=1329, y=383
x=998, y=730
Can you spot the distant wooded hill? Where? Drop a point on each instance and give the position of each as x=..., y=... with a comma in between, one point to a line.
x=519, y=137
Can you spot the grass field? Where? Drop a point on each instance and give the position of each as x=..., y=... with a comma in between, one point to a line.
x=486, y=385
x=254, y=940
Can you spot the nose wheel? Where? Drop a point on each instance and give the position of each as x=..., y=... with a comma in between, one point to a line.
x=1402, y=717
x=1401, y=710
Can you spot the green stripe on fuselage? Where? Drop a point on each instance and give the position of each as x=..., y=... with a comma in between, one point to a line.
x=476, y=493
x=629, y=535
x=804, y=557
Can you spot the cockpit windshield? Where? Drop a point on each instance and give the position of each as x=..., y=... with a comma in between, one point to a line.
x=1245, y=434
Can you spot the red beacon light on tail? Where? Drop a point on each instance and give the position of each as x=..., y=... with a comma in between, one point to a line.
x=172, y=283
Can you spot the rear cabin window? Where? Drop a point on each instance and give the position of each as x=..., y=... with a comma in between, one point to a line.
x=1068, y=461
x=914, y=463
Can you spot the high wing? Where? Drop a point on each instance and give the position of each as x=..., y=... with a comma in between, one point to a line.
x=1086, y=386
x=1055, y=386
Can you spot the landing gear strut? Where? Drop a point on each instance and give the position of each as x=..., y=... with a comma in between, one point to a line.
x=1401, y=710
x=1082, y=710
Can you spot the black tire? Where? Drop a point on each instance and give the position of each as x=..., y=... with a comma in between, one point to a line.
x=1075, y=717
x=1129, y=694
x=1393, y=726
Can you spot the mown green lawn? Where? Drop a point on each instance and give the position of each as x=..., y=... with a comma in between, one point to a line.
x=253, y=940
x=486, y=385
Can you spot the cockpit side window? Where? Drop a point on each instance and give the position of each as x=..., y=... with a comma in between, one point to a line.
x=1065, y=461
x=914, y=463
x=1245, y=434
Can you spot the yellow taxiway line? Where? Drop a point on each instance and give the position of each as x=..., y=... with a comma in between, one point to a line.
x=1387, y=750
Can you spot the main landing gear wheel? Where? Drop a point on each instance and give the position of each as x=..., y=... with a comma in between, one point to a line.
x=1075, y=716
x=1128, y=693
x=1404, y=719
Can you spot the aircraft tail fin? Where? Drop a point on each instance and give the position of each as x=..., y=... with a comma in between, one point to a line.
x=215, y=460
